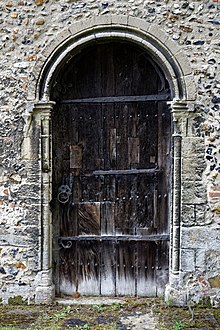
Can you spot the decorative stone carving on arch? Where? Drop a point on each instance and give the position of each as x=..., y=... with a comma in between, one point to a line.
x=167, y=54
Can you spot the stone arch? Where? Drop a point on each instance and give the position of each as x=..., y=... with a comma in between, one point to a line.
x=175, y=65
x=163, y=50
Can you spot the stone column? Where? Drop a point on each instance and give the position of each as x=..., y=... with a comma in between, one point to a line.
x=45, y=291
x=179, y=111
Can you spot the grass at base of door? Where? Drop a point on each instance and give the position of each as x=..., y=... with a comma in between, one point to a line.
x=106, y=317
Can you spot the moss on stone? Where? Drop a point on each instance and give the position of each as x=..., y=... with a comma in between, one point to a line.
x=17, y=300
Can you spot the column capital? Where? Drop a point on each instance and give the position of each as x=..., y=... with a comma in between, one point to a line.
x=178, y=107
x=44, y=108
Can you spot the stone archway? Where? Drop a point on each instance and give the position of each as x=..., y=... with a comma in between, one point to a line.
x=178, y=72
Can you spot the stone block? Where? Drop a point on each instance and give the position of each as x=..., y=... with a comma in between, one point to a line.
x=172, y=47
x=82, y=25
x=175, y=296
x=193, y=192
x=119, y=20
x=212, y=258
x=157, y=33
x=188, y=215
x=138, y=23
x=190, y=87
x=187, y=258
x=200, y=260
x=193, y=146
x=201, y=215
x=101, y=20
x=15, y=240
x=44, y=294
x=192, y=168
x=184, y=63
x=206, y=237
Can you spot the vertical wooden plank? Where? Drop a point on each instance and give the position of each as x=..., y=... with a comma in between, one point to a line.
x=132, y=200
x=108, y=269
x=162, y=269
x=75, y=157
x=125, y=271
x=107, y=218
x=146, y=264
x=89, y=218
x=68, y=277
x=112, y=151
x=108, y=127
x=133, y=151
x=107, y=66
x=122, y=205
x=91, y=115
x=155, y=199
x=89, y=267
x=121, y=117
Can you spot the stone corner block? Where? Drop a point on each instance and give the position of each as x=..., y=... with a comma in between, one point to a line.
x=188, y=260
x=175, y=296
x=45, y=294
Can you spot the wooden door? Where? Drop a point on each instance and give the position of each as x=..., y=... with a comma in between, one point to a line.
x=111, y=161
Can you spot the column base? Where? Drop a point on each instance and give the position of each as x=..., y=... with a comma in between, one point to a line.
x=45, y=294
x=175, y=294
x=45, y=289
x=175, y=297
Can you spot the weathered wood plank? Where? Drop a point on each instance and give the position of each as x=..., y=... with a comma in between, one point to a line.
x=75, y=157
x=108, y=269
x=89, y=218
x=158, y=237
x=133, y=151
x=125, y=270
x=125, y=172
x=118, y=99
x=146, y=264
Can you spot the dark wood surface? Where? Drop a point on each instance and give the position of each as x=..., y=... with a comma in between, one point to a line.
x=111, y=170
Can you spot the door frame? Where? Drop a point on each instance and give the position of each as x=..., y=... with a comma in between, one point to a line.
x=172, y=61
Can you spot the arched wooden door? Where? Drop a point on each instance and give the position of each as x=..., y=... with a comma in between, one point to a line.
x=111, y=173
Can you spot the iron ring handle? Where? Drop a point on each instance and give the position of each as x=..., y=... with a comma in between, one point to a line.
x=65, y=195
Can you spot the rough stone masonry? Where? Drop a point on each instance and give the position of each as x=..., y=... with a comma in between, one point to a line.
x=30, y=32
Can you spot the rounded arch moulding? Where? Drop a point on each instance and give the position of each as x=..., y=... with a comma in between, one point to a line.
x=64, y=45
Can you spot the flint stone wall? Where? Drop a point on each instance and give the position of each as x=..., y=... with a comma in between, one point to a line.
x=27, y=29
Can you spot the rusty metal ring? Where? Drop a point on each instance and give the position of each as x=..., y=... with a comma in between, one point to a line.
x=63, y=197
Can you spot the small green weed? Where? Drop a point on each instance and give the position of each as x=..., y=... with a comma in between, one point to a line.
x=63, y=313
x=116, y=306
x=178, y=325
x=99, y=308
